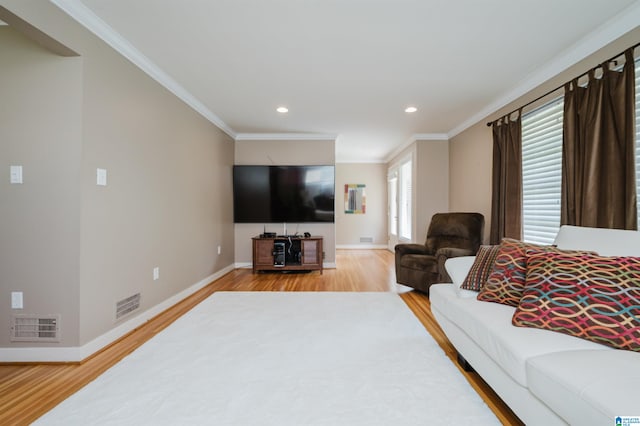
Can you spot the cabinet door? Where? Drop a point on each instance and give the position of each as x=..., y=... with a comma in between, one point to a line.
x=311, y=252
x=263, y=252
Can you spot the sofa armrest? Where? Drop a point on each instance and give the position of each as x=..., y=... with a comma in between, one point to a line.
x=448, y=252
x=402, y=249
x=458, y=268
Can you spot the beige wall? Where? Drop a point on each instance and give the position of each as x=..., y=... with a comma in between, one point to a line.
x=76, y=247
x=284, y=152
x=351, y=228
x=430, y=182
x=470, y=172
x=471, y=151
x=40, y=129
x=169, y=169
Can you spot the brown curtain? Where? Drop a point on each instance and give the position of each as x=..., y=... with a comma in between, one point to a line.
x=598, y=174
x=506, y=186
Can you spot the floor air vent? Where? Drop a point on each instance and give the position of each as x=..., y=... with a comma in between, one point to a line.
x=35, y=328
x=125, y=306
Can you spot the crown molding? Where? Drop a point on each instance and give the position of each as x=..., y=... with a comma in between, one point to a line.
x=429, y=137
x=414, y=138
x=285, y=136
x=616, y=27
x=361, y=161
x=85, y=16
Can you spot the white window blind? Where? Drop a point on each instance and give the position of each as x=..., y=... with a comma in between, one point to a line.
x=541, y=172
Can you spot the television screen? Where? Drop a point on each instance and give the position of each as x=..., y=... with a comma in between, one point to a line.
x=273, y=194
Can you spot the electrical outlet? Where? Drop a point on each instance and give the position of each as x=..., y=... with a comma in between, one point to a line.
x=156, y=273
x=219, y=249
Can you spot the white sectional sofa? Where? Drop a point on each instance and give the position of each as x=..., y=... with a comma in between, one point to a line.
x=547, y=378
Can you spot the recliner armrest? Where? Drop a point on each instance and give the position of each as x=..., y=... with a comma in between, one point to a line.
x=402, y=249
x=445, y=253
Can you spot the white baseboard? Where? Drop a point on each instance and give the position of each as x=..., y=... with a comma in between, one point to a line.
x=79, y=353
x=362, y=246
x=244, y=265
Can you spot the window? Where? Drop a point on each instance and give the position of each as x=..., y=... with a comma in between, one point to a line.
x=541, y=172
x=393, y=204
x=542, y=168
x=404, y=204
x=400, y=195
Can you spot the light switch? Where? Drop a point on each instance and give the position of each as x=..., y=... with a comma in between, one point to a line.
x=156, y=273
x=101, y=177
x=15, y=174
x=16, y=300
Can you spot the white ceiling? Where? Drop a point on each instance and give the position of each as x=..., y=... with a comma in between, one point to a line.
x=348, y=68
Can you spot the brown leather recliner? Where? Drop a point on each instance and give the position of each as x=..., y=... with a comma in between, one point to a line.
x=449, y=235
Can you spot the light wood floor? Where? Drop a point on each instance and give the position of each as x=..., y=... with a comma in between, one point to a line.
x=28, y=391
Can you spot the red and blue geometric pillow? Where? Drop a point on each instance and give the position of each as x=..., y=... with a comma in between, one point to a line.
x=588, y=296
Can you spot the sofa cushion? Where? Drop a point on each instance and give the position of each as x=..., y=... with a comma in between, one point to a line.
x=421, y=262
x=587, y=387
x=587, y=296
x=481, y=268
x=489, y=326
x=606, y=242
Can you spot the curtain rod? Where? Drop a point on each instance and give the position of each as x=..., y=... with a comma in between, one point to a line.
x=561, y=86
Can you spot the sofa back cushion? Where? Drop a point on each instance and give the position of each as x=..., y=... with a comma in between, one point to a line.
x=588, y=296
x=606, y=242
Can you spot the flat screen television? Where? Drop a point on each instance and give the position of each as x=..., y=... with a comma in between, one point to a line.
x=274, y=194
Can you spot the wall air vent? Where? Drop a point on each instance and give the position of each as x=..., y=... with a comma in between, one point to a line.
x=35, y=328
x=366, y=239
x=128, y=305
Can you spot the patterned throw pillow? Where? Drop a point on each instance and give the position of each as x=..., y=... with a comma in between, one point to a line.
x=587, y=296
x=506, y=280
x=481, y=268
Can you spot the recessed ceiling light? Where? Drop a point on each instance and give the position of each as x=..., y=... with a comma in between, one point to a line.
x=282, y=110
x=410, y=109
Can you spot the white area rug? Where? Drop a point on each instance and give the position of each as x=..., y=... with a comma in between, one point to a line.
x=283, y=359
